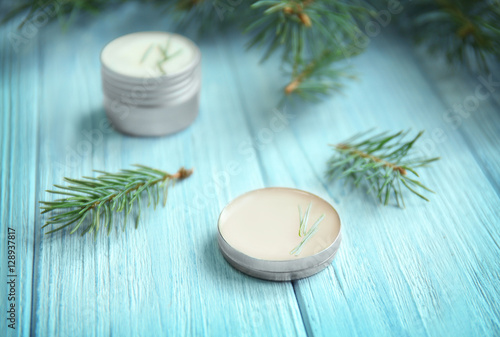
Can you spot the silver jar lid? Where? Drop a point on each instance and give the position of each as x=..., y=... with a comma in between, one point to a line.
x=282, y=269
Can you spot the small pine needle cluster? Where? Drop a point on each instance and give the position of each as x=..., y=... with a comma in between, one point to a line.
x=305, y=234
x=381, y=163
x=98, y=199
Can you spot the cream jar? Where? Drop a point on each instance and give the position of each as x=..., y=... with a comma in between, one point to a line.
x=258, y=233
x=151, y=83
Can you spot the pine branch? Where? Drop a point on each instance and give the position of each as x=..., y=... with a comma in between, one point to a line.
x=58, y=9
x=465, y=31
x=300, y=30
x=205, y=16
x=298, y=9
x=381, y=162
x=99, y=198
x=319, y=77
x=313, y=36
x=303, y=232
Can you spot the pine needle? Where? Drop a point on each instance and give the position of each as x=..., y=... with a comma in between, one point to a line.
x=303, y=232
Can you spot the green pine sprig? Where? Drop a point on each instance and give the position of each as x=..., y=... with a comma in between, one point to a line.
x=99, y=199
x=318, y=77
x=301, y=28
x=469, y=31
x=380, y=162
x=311, y=37
x=314, y=36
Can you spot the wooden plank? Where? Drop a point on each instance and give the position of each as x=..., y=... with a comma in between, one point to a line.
x=442, y=265
x=18, y=149
x=431, y=269
x=412, y=272
x=167, y=277
x=472, y=102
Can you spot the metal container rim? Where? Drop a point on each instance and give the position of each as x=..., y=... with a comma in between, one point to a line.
x=278, y=265
x=133, y=79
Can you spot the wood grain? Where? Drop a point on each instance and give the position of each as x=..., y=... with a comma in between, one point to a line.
x=431, y=269
x=19, y=97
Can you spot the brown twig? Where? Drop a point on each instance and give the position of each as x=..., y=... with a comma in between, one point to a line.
x=188, y=4
x=468, y=28
x=298, y=10
x=294, y=84
x=181, y=174
x=362, y=154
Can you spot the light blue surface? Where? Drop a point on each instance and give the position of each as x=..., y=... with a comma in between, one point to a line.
x=431, y=269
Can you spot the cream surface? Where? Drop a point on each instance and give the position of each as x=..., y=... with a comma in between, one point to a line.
x=138, y=54
x=264, y=223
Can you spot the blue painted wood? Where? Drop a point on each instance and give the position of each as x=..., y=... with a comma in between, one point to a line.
x=19, y=117
x=168, y=277
x=431, y=269
x=389, y=277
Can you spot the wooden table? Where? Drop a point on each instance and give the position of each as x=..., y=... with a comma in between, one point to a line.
x=430, y=269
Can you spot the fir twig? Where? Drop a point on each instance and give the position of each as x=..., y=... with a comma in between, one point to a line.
x=469, y=31
x=99, y=198
x=318, y=77
x=380, y=162
x=300, y=30
x=298, y=9
x=303, y=30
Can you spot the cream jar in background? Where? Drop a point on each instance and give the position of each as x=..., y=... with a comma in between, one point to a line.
x=151, y=83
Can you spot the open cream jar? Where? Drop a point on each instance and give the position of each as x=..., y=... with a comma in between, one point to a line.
x=258, y=231
x=151, y=83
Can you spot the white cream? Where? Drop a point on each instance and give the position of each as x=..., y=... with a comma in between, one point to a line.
x=128, y=55
x=264, y=223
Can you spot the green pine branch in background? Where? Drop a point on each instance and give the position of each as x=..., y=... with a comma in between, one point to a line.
x=98, y=199
x=317, y=77
x=314, y=37
x=311, y=36
x=465, y=31
x=381, y=163
x=205, y=16
x=63, y=10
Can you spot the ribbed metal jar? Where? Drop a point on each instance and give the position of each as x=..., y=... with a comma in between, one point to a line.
x=151, y=104
x=278, y=270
